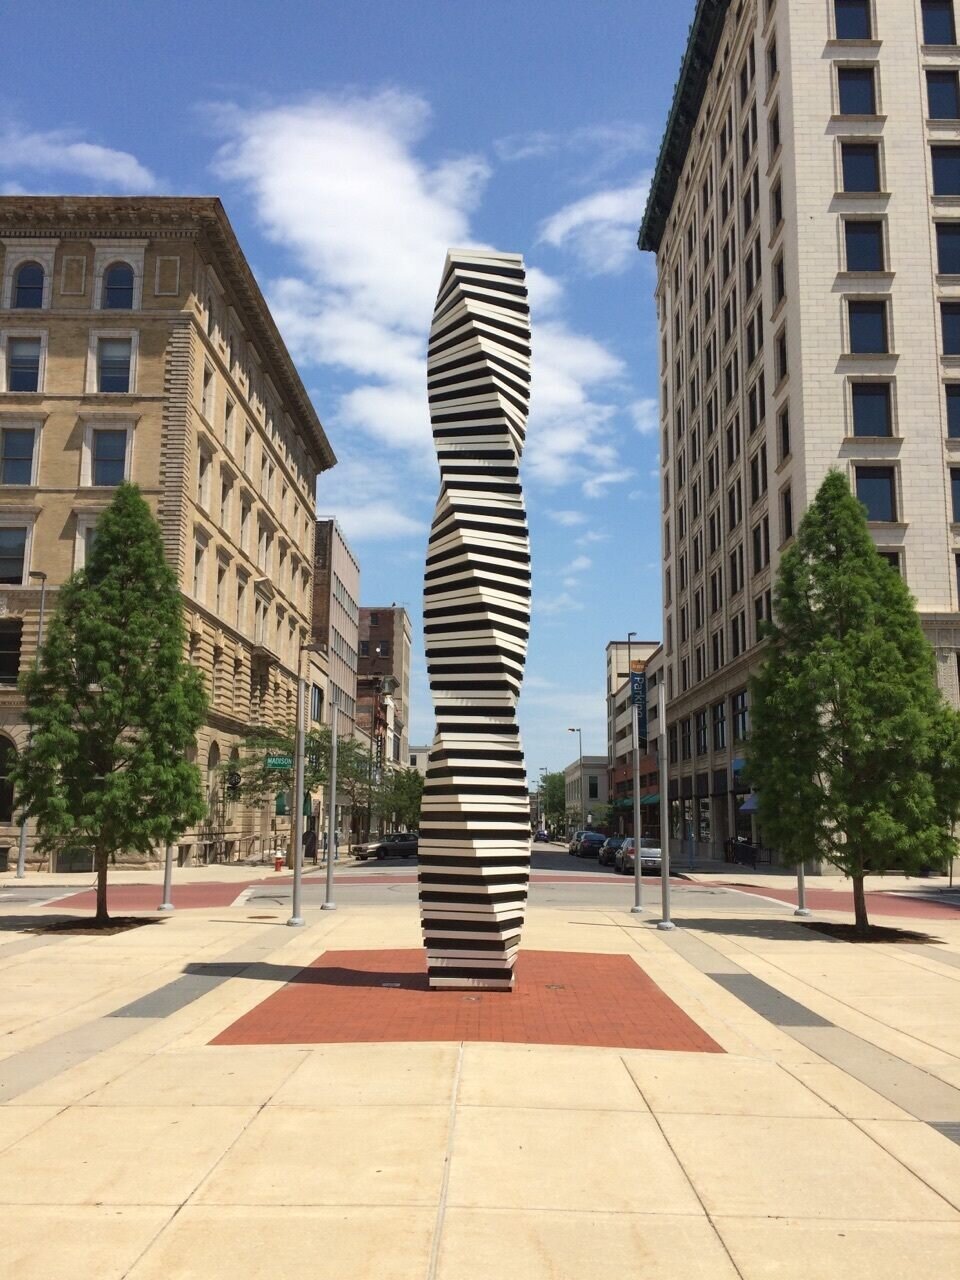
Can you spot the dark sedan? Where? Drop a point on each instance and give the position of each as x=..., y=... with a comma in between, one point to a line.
x=590, y=842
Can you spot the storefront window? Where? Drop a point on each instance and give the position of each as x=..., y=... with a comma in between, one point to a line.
x=703, y=820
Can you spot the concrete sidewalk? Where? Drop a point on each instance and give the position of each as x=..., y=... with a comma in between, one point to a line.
x=817, y=1144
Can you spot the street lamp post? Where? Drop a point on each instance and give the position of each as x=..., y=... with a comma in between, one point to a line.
x=583, y=812
x=635, y=752
x=665, y=922
x=22, y=846
x=299, y=751
x=328, y=903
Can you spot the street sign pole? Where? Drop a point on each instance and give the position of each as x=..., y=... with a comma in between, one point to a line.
x=299, y=748
x=665, y=922
x=328, y=903
x=167, y=903
x=637, y=706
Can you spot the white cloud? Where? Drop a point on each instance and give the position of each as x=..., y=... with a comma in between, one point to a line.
x=60, y=151
x=374, y=521
x=339, y=182
x=556, y=604
x=597, y=485
x=373, y=499
x=646, y=415
x=601, y=229
x=604, y=146
x=568, y=517
x=592, y=536
x=579, y=564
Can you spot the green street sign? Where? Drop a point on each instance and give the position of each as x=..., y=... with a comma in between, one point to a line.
x=278, y=761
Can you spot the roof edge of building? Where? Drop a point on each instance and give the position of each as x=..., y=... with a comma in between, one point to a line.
x=128, y=214
x=702, y=42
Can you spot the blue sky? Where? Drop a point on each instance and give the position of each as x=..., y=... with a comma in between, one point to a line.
x=351, y=143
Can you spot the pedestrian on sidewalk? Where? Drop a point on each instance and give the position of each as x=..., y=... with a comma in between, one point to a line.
x=310, y=846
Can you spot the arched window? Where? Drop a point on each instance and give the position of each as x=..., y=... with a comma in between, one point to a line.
x=28, y=287
x=118, y=287
x=213, y=781
x=8, y=754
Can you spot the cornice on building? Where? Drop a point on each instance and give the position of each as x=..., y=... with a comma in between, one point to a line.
x=702, y=42
x=157, y=217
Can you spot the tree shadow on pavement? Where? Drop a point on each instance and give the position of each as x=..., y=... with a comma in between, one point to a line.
x=804, y=930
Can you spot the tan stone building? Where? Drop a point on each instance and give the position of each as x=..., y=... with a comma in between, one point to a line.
x=336, y=618
x=136, y=345
x=804, y=217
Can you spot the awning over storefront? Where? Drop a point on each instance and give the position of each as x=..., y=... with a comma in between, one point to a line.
x=751, y=804
x=654, y=799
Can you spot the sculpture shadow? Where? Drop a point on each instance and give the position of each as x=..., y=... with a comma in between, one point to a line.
x=325, y=976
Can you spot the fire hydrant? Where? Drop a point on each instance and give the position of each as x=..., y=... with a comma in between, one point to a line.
x=278, y=861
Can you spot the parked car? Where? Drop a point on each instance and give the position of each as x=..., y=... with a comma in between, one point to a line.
x=399, y=844
x=590, y=842
x=608, y=850
x=649, y=854
x=574, y=844
x=623, y=858
x=541, y=837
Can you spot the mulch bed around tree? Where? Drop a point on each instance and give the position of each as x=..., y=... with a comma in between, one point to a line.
x=875, y=933
x=83, y=924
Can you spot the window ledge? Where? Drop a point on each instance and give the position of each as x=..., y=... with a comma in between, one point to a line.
x=783, y=463
x=901, y=525
x=861, y=357
x=883, y=276
x=861, y=195
x=945, y=201
x=837, y=118
x=872, y=440
x=948, y=50
x=836, y=45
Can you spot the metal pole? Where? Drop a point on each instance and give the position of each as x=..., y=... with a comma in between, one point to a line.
x=635, y=753
x=583, y=808
x=22, y=844
x=299, y=750
x=802, y=909
x=167, y=903
x=665, y=922
x=328, y=903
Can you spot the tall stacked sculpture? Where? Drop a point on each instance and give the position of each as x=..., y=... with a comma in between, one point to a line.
x=475, y=819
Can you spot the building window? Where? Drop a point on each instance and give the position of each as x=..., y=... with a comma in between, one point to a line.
x=864, y=241
x=775, y=131
x=28, y=287
x=938, y=23
x=204, y=467
x=685, y=739
x=955, y=493
x=953, y=410
x=871, y=405
x=779, y=282
x=672, y=741
x=206, y=394
x=13, y=551
x=198, y=565
x=945, y=167
x=719, y=716
x=741, y=716
x=776, y=205
x=16, y=455
x=780, y=355
x=783, y=433
x=23, y=364
x=868, y=327
x=876, y=489
x=316, y=709
x=861, y=166
x=11, y=635
x=108, y=456
x=736, y=569
x=948, y=248
x=857, y=91
x=593, y=787
x=113, y=364
x=118, y=287
x=943, y=95
x=786, y=514
x=950, y=324
x=717, y=646
x=242, y=581
x=701, y=733
x=852, y=19
x=221, y=588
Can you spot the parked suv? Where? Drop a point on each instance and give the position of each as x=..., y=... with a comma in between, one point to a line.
x=590, y=842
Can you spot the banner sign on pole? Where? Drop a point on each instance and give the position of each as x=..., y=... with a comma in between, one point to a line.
x=638, y=697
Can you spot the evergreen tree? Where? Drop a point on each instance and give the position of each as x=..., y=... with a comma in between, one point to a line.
x=112, y=704
x=853, y=752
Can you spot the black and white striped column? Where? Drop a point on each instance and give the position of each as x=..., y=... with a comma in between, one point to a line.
x=475, y=819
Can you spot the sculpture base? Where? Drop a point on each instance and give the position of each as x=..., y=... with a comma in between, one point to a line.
x=440, y=982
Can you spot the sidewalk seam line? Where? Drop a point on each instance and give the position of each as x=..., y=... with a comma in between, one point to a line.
x=434, y=1261
x=912, y=1172
x=683, y=1169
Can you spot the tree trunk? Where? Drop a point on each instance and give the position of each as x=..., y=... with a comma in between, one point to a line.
x=860, y=905
x=101, y=857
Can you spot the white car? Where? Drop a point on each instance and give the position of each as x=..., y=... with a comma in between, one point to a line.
x=649, y=854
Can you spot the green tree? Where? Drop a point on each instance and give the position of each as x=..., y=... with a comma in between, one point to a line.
x=112, y=704
x=854, y=753
x=396, y=799
x=553, y=798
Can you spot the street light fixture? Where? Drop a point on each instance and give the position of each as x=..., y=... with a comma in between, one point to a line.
x=583, y=818
x=22, y=846
x=635, y=755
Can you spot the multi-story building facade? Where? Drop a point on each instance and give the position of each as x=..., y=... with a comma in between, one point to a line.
x=336, y=619
x=585, y=790
x=383, y=679
x=804, y=217
x=135, y=345
x=419, y=756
